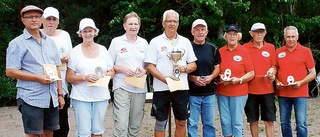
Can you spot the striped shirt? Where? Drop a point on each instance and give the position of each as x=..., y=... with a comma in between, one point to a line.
x=26, y=54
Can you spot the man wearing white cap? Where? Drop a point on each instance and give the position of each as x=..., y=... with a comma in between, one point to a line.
x=37, y=95
x=64, y=45
x=202, y=99
x=261, y=100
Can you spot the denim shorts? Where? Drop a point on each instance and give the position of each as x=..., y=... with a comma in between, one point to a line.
x=36, y=119
x=89, y=117
x=261, y=104
x=161, y=104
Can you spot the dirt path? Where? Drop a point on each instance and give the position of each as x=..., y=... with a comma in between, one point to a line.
x=11, y=124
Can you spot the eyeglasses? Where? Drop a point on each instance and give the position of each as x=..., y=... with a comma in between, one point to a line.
x=170, y=21
x=31, y=17
x=232, y=34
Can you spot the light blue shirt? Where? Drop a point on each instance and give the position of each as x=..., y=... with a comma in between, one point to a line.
x=26, y=54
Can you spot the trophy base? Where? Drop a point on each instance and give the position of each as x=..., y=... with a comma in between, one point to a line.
x=176, y=79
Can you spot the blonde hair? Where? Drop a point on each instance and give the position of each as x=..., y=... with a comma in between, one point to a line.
x=131, y=14
x=239, y=35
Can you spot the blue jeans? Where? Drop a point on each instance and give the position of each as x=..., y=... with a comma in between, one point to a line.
x=231, y=114
x=300, y=110
x=89, y=117
x=204, y=105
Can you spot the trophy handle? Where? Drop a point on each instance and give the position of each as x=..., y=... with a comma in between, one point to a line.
x=182, y=52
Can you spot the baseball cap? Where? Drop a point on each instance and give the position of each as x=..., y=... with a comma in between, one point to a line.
x=30, y=8
x=232, y=27
x=258, y=26
x=87, y=22
x=50, y=11
x=199, y=22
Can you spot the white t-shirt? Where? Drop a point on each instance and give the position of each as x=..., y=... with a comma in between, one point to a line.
x=83, y=66
x=123, y=53
x=156, y=54
x=63, y=42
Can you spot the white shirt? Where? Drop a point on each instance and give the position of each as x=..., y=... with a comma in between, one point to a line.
x=156, y=54
x=83, y=66
x=124, y=53
x=63, y=42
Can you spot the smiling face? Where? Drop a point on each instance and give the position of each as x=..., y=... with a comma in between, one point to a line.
x=199, y=33
x=291, y=37
x=232, y=38
x=31, y=20
x=171, y=23
x=87, y=34
x=132, y=26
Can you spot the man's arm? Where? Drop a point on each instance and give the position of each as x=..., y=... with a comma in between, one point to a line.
x=156, y=73
x=60, y=92
x=18, y=74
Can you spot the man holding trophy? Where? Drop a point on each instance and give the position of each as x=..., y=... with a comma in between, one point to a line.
x=292, y=84
x=170, y=57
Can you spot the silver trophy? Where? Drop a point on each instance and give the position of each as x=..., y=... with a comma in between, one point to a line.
x=175, y=55
x=99, y=71
x=62, y=52
x=290, y=80
x=227, y=75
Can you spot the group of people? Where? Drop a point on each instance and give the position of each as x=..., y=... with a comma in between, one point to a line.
x=238, y=77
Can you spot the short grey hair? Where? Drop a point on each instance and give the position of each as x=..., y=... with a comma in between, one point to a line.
x=290, y=28
x=169, y=11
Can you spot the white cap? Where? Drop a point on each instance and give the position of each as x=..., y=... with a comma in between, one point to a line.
x=87, y=22
x=50, y=11
x=199, y=22
x=258, y=26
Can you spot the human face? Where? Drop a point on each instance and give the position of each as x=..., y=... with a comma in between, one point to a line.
x=31, y=20
x=50, y=23
x=171, y=23
x=232, y=38
x=87, y=34
x=291, y=37
x=199, y=33
x=132, y=26
x=258, y=35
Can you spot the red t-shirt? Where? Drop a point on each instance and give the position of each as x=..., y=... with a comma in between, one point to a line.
x=239, y=62
x=262, y=60
x=295, y=63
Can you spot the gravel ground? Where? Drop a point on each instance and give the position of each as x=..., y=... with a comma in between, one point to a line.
x=11, y=124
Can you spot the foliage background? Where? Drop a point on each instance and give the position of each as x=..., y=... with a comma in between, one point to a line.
x=108, y=15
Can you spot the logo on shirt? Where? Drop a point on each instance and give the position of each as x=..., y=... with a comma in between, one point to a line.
x=237, y=58
x=265, y=53
x=282, y=55
x=164, y=48
x=123, y=50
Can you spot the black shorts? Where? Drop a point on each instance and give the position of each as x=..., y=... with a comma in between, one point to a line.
x=36, y=119
x=263, y=105
x=161, y=104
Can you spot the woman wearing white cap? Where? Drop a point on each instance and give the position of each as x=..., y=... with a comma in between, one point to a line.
x=88, y=62
x=64, y=45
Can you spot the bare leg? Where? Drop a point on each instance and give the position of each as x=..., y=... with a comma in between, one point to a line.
x=47, y=133
x=159, y=133
x=269, y=128
x=254, y=129
x=96, y=135
x=32, y=135
x=181, y=128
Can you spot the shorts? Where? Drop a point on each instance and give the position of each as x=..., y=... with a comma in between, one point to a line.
x=36, y=119
x=161, y=104
x=89, y=117
x=260, y=104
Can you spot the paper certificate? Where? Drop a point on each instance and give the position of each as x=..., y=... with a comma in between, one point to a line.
x=51, y=71
x=175, y=85
x=138, y=82
x=63, y=66
x=102, y=82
